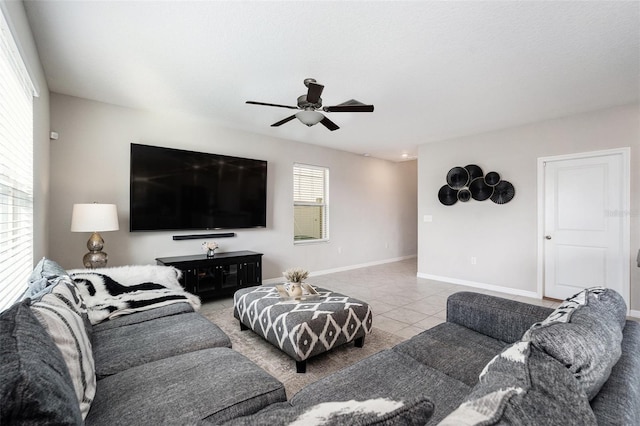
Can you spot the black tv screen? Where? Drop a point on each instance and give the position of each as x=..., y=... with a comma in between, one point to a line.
x=173, y=189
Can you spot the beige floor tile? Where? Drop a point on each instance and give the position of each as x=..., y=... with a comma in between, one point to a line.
x=396, y=300
x=405, y=315
x=424, y=308
x=380, y=307
x=409, y=332
x=388, y=324
x=429, y=322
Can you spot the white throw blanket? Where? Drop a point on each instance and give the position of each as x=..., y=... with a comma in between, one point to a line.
x=113, y=292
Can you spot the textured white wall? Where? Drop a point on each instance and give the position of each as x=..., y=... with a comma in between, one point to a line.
x=503, y=238
x=14, y=11
x=372, y=202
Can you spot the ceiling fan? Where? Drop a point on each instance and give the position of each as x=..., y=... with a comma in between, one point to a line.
x=311, y=102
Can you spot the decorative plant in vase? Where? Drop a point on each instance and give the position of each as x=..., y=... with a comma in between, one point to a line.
x=210, y=248
x=295, y=276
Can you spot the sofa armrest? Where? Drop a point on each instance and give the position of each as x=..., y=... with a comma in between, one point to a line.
x=618, y=402
x=502, y=319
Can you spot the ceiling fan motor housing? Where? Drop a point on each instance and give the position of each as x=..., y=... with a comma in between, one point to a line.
x=304, y=104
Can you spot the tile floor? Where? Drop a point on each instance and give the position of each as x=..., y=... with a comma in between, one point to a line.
x=402, y=303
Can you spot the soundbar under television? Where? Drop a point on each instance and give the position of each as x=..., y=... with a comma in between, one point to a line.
x=174, y=189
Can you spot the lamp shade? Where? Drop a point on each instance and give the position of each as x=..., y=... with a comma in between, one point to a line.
x=309, y=117
x=94, y=218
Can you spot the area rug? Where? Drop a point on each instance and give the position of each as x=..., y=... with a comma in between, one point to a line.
x=282, y=367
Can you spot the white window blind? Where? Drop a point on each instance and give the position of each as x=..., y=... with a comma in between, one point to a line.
x=310, y=203
x=16, y=170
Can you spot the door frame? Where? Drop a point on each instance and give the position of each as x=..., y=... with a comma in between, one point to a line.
x=625, y=213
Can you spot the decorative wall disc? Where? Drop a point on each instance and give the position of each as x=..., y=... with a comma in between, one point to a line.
x=492, y=178
x=447, y=195
x=464, y=195
x=474, y=172
x=503, y=192
x=465, y=183
x=458, y=177
x=480, y=191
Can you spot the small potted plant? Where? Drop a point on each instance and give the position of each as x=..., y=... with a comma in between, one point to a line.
x=295, y=276
x=210, y=248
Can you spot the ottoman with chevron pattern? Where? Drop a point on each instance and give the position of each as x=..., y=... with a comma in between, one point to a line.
x=303, y=328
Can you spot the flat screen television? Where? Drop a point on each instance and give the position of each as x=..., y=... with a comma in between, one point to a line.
x=173, y=189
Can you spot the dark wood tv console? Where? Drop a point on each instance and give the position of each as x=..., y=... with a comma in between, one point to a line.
x=217, y=276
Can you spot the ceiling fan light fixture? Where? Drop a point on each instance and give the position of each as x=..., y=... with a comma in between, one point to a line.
x=309, y=117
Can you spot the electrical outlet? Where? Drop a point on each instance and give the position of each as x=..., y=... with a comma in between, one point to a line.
x=474, y=260
x=339, y=250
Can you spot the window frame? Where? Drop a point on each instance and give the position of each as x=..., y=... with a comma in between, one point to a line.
x=16, y=168
x=324, y=205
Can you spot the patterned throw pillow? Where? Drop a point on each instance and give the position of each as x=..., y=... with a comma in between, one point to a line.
x=59, y=311
x=584, y=334
x=380, y=412
x=524, y=386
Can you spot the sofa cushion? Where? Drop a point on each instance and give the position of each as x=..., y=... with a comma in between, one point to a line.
x=502, y=319
x=214, y=384
x=139, y=317
x=524, y=386
x=455, y=350
x=584, y=333
x=618, y=402
x=57, y=308
x=120, y=348
x=379, y=411
x=35, y=386
x=387, y=374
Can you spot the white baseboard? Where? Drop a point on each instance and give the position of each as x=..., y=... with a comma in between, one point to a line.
x=343, y=268
x=483, y=286
x=634, y=313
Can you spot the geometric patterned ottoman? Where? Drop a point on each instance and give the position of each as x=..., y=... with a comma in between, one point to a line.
x=303, y=328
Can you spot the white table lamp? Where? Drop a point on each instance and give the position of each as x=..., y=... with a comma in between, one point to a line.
x=94, y=218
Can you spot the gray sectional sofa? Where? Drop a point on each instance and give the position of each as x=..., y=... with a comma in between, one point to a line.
x=495, y=361
x=162, y=365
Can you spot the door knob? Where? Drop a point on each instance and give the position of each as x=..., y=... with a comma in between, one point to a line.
x=548, y=237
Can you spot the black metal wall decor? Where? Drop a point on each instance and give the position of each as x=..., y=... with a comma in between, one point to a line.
x=465, y=183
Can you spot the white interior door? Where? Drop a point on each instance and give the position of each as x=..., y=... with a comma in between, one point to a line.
x=585, y=224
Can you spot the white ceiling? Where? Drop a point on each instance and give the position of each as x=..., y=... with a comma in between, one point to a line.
x=433, y=70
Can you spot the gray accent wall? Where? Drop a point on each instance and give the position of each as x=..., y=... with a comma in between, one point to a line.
x=503, y=238
x=373, y=203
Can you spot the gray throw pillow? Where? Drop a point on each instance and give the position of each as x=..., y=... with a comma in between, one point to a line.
x=44, y=274
x=381, y=412
x=524, y=386
x=35, y=386
x=585, y=335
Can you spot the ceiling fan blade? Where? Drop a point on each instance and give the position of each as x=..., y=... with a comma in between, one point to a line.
x=314, y=92
x=273, y=105
x=329, y=124
x=286, y=120
x=347, y=108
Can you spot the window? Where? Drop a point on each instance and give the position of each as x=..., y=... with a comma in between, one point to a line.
x=310, y=203
x=16, y=170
